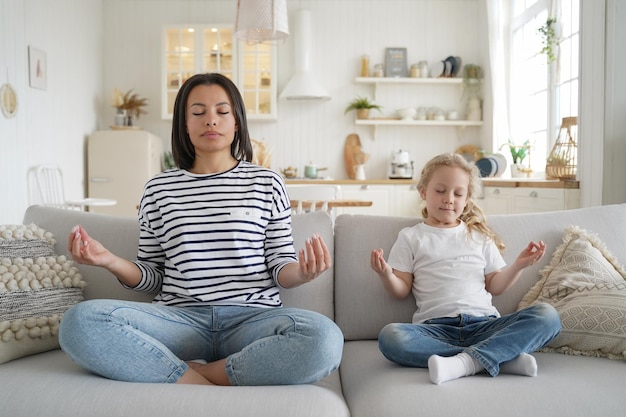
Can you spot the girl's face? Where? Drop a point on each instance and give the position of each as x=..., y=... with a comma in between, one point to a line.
x=210, y=121
x=446, y=196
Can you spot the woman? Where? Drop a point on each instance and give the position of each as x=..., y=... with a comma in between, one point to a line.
x=216, y=245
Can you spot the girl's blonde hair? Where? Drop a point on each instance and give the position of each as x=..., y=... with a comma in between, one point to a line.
x=472, y=215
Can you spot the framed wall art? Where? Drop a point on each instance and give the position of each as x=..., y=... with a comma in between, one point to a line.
x=37, y=69
x=395, y=62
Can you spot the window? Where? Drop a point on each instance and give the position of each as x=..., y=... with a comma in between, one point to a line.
x=189, y=50
x=542, y=91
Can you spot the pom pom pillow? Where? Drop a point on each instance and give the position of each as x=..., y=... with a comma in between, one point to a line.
x=36, y=287
x=586, y=285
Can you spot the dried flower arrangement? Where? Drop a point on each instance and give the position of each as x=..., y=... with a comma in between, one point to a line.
x=131, y=103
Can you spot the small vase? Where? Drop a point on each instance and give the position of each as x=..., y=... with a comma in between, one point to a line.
x=515, y=171
x=120, y=117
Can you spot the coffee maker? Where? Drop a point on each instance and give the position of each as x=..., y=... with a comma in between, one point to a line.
x=401, y=166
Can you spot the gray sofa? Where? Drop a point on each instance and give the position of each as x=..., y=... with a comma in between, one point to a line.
x=49, y=384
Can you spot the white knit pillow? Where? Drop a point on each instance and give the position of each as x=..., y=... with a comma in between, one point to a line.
x=587, y=286
x=36, y=287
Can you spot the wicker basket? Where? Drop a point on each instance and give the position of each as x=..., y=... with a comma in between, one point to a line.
x=563, y=158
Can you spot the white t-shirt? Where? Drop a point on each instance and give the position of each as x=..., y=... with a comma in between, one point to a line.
x=449, y=267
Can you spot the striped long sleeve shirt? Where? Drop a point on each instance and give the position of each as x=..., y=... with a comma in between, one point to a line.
x=218, y=239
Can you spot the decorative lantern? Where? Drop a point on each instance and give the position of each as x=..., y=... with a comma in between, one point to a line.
x=562, y=161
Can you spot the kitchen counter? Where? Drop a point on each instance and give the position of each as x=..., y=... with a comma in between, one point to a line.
x=488, y=182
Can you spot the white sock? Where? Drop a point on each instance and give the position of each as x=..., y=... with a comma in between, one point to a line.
x=524, y=364
x=442, y=369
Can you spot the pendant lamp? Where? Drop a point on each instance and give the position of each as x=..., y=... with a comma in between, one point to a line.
x=261, y=20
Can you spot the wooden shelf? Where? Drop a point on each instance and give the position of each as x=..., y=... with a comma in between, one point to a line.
x=400, y=122
x=396, y=80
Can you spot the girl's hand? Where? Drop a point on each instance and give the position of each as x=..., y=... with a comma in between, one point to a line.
x=397, y=283
x=314, y=259
x=531, y=254
x=85, y=250
x=378, y=264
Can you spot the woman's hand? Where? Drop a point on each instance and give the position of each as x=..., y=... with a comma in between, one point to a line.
x=86, y=250
x=313, y=260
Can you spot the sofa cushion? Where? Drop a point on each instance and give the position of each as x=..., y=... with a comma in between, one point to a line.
x=587, y=286
x=50, y=384
x=317, y=295
x=363, y=307
x=571, y=386
x=36, y=287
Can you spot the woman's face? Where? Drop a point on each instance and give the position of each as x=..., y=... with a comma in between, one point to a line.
x=210, y=120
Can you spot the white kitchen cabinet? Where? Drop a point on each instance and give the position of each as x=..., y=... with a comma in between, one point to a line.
x=530, y=200
x=193, y=49
x=379, y=195
x=403, y=199
x=406, y=201
x=388, y=200
x=503, y=200
x=496, y=200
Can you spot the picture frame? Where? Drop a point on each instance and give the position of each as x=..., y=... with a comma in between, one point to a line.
x=396, y=62
x=37, y=68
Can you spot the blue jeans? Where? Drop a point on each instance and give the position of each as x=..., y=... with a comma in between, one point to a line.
x=490, y=340
x=142, y=342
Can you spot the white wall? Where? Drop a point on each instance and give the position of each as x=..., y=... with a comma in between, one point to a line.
x=614, y=190
x=50, y=125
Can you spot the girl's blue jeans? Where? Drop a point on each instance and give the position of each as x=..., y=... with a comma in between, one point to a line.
x=490, y=340
x=142, y=342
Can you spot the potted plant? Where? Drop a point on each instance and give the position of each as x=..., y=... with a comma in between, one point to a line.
x=518, y=154
x=472, y=76
x=549, y=39
x=472, y=91
x=362, y=106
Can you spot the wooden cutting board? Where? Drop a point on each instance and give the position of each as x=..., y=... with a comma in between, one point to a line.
x=353, y=154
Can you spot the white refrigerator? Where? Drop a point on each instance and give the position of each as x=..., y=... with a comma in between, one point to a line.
x=119, y=163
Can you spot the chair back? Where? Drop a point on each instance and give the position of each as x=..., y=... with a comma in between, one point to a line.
x=315, y=196
x=49, y=179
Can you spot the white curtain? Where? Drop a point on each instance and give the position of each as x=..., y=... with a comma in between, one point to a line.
x=497, y=20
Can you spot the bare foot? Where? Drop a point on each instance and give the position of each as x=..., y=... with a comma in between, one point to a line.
x=214, y=372
x=191, y=376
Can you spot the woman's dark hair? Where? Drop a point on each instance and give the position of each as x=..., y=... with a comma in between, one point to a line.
x=183, y=151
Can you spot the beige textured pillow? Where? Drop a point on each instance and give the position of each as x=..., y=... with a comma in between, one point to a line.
x=587, y=286
x=36, y=287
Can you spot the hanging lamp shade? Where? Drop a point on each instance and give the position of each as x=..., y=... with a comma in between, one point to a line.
x=261, y=20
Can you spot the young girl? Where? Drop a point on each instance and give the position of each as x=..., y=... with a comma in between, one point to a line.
x=215, y=244
x=452, y=264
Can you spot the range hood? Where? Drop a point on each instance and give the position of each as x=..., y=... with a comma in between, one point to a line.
x=303, y=85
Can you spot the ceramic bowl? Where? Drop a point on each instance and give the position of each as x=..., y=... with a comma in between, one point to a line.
x=407, y=114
